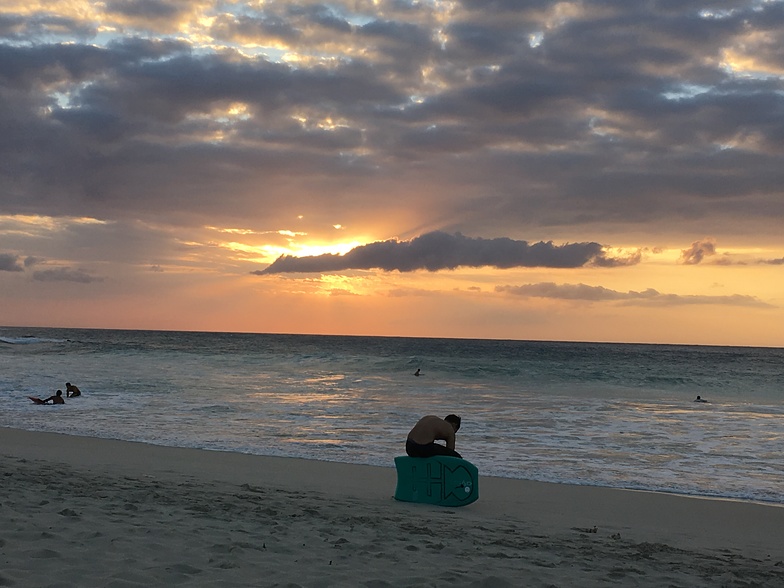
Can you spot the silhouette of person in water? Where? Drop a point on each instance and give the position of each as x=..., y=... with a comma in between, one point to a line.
x=421, y=441
x=56, y=399
x=71, y=391
x=700, y=399
x=416, y=373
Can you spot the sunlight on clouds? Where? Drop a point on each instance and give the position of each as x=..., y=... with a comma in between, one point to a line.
x=344, y=284
x=754, y=54
x=85, y=220
x=291, y=233
x=746, y=140
x=296, y=244
x=737, y=62
x=432, y=82
x=83, y=10
x=268, y=253
x=27, y=225
x=227, y=117
x=622, y=253
x=334, y=91
x=563, y=12
x=232, y=231
x=306, y=250
x=206, y=22
x=239, y=51
x=34, y=224
x=320, y=59
x=252, y=253
x=664, y=256
x=225, y=114
x=326, y=123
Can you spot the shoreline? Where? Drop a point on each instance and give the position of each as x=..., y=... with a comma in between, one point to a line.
x=246, y=520
x=664, y=492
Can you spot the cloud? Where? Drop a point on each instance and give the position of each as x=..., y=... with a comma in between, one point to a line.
x=407, y=292
x=282, y=108
x=698, y=251
x=341, y=292
x=572, y=292
x=10, y=263
x=443, y=251
x=65, y=274
x=648, y=297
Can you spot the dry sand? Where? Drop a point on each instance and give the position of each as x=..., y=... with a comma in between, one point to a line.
x=77, y=511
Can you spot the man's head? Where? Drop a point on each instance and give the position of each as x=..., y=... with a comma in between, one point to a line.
x=59, y=393
x=453, y=420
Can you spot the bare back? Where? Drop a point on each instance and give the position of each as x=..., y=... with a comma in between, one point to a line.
x=431, y=428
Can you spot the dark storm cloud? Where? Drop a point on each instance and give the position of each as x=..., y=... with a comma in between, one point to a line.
x=649, y=297
x=144, y=8
x=441, y=251
x=513, y=114
x=19, y=28
x=270, y=28
x=65, y=274
x=10, y=263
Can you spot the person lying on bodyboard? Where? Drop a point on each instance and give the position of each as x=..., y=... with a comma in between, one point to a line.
x=56, y=399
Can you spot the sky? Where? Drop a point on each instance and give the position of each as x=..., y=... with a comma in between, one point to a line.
x=598, y=170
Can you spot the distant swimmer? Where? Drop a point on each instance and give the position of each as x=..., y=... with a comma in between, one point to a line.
x=422, y=439
x=700, y=399
x=56, y=399
x=416, y=373
x=71, y=391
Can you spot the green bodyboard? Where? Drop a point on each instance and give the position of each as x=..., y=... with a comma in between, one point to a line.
x=441, y=480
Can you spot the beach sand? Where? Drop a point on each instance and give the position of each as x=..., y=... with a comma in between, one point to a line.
x=78, y=511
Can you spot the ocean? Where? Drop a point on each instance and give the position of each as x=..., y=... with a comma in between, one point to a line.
x=601, y=414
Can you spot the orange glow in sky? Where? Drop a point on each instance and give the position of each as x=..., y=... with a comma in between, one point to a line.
x=394, y=168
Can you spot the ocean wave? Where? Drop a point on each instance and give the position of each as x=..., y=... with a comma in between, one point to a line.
x=29, y=340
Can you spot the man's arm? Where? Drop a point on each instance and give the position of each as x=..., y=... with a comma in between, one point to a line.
x=447, y=433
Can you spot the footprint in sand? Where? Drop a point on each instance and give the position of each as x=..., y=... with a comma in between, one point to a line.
x=45, y=554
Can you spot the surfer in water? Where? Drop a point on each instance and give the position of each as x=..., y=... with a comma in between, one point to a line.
x=71, y=391
x=56, y=399
x=422, y=439
x=700, y=399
